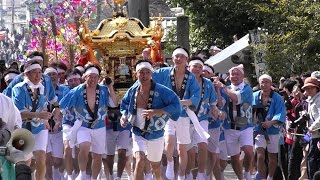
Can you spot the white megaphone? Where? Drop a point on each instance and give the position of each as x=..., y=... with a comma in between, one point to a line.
x=22, y=140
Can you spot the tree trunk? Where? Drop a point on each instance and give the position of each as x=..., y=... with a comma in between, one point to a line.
x=183, y=32
x=139, y=9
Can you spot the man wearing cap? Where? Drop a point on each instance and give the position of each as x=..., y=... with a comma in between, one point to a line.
x=90, y=102
x=238, y=126
x=73, y=77
x=45, y=81
x=269, y=113
x=148, y=106
x=185, y=85
x=55, y=143
x=30, y=99
x=311, y=88
x=206, y=108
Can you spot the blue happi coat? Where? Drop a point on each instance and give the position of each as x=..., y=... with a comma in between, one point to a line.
x=276, y=111
x=163, y=98
x=209, y=98
x=21, y=98
x=245, y=96
x=192, y=91
x=46, y=82
x=74, y=101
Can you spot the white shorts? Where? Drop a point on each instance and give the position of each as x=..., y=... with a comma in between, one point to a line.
x=129, y=150
x=272, y=147
x=117, y=140
x=41, y=140
x=195, y=137
x=97, y=138
x=180, y=129
x=223, y=154
x=64, y=135
x=213, y=141
x=55, y=144
x=236, y=139
x=153, y=149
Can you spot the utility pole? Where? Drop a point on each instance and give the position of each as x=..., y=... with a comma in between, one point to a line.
x=1, y=16
x=98, y=11
x=12, y=16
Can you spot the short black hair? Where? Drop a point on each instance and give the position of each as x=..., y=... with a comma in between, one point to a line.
x=73, y=71
x=11, y=71
x=140, y=61
x=61, y=65
x=35, y=53
x=209, y=67
x=289, y=84
x=196, y=58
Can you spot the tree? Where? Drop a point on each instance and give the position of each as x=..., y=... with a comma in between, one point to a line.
x=292, y=29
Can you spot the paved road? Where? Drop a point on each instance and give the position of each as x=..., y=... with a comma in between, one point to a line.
x=229, y=174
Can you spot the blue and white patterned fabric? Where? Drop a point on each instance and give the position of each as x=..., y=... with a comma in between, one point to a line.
x=192, y=90
x=276, y=111
x=245, y=96
x=74, y=101
x=21, y=98
x=163, y=98
x=46, y=82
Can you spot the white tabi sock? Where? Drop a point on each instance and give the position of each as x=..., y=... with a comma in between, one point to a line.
x=148, y=176
x=170, y=170
x=81, y=176
x=200, y=176
x=189, y=176
x=247, y=175
x=269, y=178
x=181, y=178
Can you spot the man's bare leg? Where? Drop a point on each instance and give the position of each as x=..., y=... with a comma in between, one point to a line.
x=139, y=168
x=156, y=169
x=96, y=165
x=169, y=148
x=261, y=163
x=183, y=159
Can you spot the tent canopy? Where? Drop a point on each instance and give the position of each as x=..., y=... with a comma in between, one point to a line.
x=221, y=62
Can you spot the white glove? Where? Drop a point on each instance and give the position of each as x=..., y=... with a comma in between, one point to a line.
x=15, y=155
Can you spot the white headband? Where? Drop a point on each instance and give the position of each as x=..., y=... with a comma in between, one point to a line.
x=265, y=76
x=239, y=68
x=196, y=62
x=91, y=70
x=32, y=67
x=207, y=68
x=50, y=70
x=180, y=51
x=10, y=76
x=80, y=68
x=35, y=58
x=144, y=65
x=60, y=70
x=73, y=76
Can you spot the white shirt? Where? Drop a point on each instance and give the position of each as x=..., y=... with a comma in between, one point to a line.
x=9, y=113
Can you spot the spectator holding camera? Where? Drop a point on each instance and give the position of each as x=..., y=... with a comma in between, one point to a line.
x=311, y=88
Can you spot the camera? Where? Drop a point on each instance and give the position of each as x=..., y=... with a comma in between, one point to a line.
x=108, y=81
x=303, y=118
x=5, y=136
